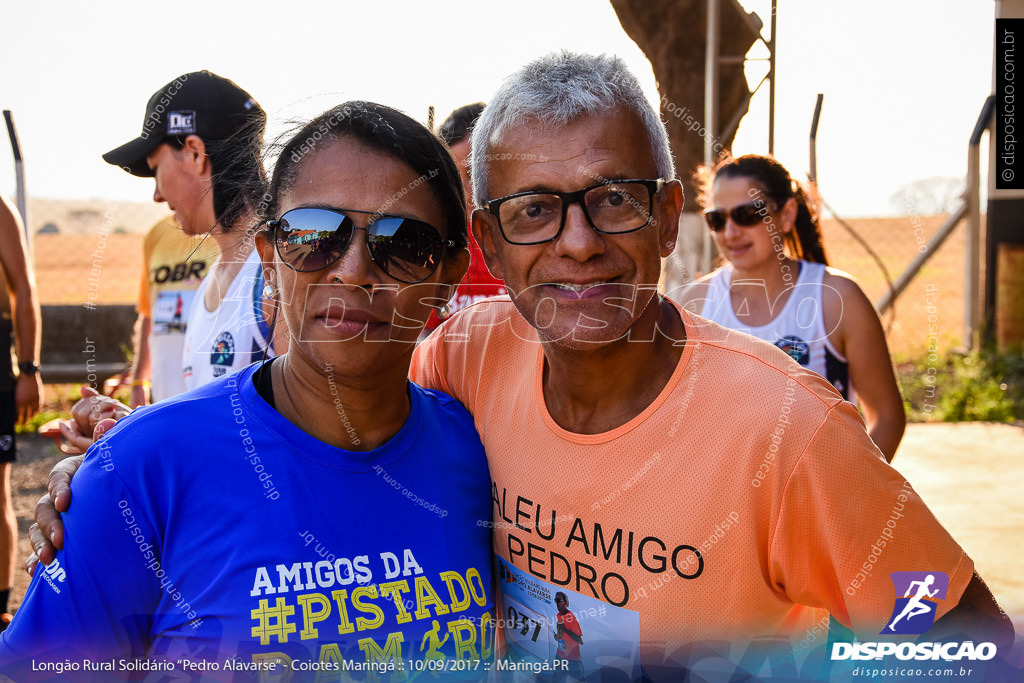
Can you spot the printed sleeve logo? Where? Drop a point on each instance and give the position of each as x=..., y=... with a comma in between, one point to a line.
x=796, y=348
x=223, y=354
x=54, y=574
x=181, y=122
x=917, y=599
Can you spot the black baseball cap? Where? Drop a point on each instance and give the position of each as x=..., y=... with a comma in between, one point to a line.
x=198, y=103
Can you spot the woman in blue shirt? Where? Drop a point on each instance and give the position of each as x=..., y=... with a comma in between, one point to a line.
x=367, y=235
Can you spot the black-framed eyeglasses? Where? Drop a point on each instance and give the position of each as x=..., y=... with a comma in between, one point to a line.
x=613, y=208
x=745, y=215
x=311, y=239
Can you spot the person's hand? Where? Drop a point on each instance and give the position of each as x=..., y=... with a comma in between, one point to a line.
x=91, y=417
x=76, y=442
x=139, y=396
x=94, y=408
x=28, y=396
x=47, y=534
x=32, y=561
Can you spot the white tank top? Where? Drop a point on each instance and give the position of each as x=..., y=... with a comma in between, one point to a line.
x=798, y=329
x=235, y=335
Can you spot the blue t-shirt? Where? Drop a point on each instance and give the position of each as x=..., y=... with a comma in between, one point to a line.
x=210, y=528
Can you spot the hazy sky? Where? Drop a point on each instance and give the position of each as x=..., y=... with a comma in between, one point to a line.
x=903, y=81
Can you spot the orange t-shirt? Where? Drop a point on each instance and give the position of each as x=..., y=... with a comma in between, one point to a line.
x=742, y=503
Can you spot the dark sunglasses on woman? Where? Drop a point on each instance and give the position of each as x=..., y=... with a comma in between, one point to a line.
x=744, y=215
x=311, y=239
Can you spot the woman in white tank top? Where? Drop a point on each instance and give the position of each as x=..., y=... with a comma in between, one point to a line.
x=776, y=285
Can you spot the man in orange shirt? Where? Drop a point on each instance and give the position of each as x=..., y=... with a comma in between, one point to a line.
x=721, y=500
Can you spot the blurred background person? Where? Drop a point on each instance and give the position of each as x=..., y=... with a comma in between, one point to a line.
x=21, y=393
x=174, y=265
x=776, y=285
x=196, y=143
x=478, y=283
x=199, y=142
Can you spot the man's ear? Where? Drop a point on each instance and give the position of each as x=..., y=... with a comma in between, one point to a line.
x=668, y=205
x=195, y=149
x=485, y=231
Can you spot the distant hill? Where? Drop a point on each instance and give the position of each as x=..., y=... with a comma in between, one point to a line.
x=85, y=217
x=897, y=241
x=64, y=264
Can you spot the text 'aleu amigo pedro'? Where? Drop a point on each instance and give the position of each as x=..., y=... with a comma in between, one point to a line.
x=579, y=537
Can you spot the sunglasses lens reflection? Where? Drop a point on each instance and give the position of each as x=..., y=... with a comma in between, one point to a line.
x=406, y=249
x=312, y=239
x=745, y=214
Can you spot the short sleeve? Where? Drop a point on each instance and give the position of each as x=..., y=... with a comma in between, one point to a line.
x=97, y=599
x=848, y=519
x=145, y=305
x=427, y=361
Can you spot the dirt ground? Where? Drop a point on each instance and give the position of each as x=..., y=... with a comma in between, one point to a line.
x=970, y=474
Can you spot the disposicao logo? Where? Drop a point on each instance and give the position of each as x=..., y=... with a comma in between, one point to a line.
x=917, y=599
x=914, y=612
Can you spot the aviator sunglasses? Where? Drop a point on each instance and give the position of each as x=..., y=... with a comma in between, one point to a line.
x=744, y=215
x=311, y=239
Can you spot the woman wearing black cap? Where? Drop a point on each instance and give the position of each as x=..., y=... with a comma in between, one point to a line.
x=200, y=142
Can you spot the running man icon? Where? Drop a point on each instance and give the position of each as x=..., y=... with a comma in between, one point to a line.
x=915, y=606
x=919, y=598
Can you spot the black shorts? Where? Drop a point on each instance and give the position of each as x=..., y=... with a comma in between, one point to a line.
x=8, y=414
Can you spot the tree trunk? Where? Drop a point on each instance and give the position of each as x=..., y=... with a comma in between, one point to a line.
x=673, y=35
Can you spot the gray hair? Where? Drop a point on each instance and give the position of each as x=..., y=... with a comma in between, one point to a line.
x=559, y=88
